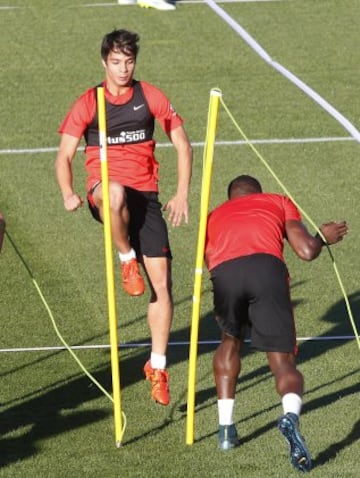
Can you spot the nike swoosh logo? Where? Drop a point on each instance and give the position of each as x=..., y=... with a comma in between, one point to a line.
x=138, y=107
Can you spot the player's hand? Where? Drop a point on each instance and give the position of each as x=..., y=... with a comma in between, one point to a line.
x=177, y=208
x=334, y=231
x=73, y=202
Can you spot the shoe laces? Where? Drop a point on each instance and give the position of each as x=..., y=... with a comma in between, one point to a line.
x=160, y=378
x=130, y=270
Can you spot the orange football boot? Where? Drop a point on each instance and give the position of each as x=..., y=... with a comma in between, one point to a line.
x=132, y=280
x=159, y=383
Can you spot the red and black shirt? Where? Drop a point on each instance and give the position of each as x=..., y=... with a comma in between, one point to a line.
x=130, y=127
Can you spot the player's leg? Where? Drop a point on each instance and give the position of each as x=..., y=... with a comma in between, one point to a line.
x=226, y=369
x=288, y=379
x=160, y=312
x=226, y=366
x=289, y=384
x=119, y=213
x=133, y=283
x=160, y=309
x=273, y=331
x=149, y=234
x=231, y=310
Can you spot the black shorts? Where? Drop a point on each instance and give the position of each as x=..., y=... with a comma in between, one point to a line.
x=148, y=232
x=254, y=291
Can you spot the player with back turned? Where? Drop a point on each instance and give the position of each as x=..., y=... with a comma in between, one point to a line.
x=244, y=254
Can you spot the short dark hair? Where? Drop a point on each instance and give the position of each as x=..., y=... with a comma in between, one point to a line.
x=122, y=40
x=243, y=185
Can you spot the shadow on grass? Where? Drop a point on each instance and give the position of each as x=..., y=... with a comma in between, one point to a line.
x=53, y=411
x=331, y=452
x=327, y=399
x=337, y=316
x=44, y=426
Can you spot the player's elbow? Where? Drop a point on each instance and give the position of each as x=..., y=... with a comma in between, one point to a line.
x=308, y=252
x=187, y=150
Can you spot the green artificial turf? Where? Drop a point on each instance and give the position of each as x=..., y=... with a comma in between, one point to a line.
x=54, y=421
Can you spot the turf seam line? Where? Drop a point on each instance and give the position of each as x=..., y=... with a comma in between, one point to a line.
x=148, y=344
x=325, y=139
x=257, y=48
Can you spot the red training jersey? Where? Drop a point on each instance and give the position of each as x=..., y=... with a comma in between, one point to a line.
x=246, y=225
x=132, y=165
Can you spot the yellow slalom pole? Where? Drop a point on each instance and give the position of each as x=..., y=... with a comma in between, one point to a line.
x=215, y=95
x=115, y=369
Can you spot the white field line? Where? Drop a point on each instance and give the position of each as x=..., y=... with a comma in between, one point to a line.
x=171, y=344
x=286, y=73
x=54, y=149
x=179, y=2
x=232, y=1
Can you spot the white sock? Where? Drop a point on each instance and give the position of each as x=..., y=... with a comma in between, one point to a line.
x=225, y=410
x=158, y=361
x=291, y=403
x=127, y=256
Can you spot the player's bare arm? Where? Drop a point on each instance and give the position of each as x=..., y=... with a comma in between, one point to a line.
x=308, y=247
x=178, y=206
x=63, y=168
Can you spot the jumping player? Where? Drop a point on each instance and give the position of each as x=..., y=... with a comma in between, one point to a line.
x=138, y=227
x=244, y=254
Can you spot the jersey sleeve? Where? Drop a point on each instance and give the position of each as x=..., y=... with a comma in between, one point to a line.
x=291, y=211
x=161, y=108
x=80, y=115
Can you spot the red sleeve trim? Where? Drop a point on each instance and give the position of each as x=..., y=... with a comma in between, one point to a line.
x=80, y=115
x=161, y=108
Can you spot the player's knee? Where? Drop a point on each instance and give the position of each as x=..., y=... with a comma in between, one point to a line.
x=161, y=291
x=117, y=195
